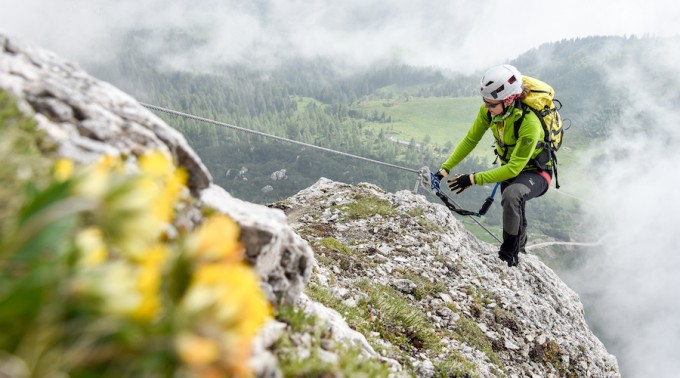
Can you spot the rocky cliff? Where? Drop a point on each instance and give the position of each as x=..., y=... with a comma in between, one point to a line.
x=364, y=281
x=463, y=312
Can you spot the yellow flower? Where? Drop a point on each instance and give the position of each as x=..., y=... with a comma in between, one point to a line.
x=156, y=255
x=126, y=287
x=63, y=169
x=127, y=217
x=231, y=292
x=113, y=282
x=217, y=240
x=123, y=259
x=134, y=208
x=148, y=308
x=159, y=167
x=97, y=179
x=149, y=282
x=168, y=192
x=254, y=309
x=109, y=163
x=91, y=244
x=226, y=296
x=165, y=181
x=196, y=350
x=93, y=184
x=155, y=164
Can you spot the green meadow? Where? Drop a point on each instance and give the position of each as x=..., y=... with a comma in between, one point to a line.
x=440, y=121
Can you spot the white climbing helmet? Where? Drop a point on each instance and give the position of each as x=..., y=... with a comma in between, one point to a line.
x=501, y=82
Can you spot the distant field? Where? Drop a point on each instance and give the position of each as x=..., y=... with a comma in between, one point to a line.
x=442, y=118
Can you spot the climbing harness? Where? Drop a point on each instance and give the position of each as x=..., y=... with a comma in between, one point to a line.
x=431, y=183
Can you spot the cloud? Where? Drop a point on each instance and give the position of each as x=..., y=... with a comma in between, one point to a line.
x=630, y=286
x=455, y=34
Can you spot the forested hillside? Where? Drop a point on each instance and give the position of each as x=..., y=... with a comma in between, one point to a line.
x=317, y=103
x=304, y=101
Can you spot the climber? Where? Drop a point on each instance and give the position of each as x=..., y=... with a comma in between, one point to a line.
x=520, y=177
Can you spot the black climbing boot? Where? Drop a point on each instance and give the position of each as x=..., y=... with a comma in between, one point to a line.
x=509, y=251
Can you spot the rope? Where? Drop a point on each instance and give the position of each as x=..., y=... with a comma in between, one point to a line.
x=485, y=229
x=201, y=119
x=574, y=196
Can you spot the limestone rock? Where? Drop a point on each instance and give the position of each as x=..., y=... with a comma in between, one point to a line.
x=533, y=323
x=85, y=117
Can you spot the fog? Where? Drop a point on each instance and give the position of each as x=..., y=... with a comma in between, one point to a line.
x=459, y=35
x=630, y=286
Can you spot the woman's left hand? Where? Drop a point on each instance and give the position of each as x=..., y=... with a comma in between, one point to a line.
x=461, y=182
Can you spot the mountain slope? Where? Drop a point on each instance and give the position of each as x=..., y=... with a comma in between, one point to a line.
x=459, y=307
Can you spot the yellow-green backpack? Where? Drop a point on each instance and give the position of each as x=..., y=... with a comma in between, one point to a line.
x=541, y=100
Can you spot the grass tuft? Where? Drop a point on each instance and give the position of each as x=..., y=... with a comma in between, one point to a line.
x=468, y=332
x=366, y=206
x=399, y=322
x=320, y=358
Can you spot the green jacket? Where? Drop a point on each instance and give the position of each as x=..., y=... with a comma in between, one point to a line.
x=520, y=151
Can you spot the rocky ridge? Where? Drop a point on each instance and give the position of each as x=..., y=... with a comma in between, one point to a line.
x=527, y=322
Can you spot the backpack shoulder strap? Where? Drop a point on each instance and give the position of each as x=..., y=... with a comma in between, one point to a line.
x=519, y=120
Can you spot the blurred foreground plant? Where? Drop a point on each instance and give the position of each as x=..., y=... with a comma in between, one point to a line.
x=97, y=281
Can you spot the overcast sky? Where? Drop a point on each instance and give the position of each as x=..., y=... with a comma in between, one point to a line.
x=461, y=35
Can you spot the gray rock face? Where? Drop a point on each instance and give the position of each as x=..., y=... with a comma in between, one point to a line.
x=279, y=175
x=533, y=321
x=278, y=254
x=86, y=117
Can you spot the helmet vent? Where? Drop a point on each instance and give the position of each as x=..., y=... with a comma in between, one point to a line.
x=494, y=94
x=512, y=79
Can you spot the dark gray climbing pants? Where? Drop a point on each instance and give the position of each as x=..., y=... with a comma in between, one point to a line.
x=527, y=185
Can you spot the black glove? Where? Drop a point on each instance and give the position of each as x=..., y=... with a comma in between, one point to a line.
x=461, y=182
x=441, y=174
